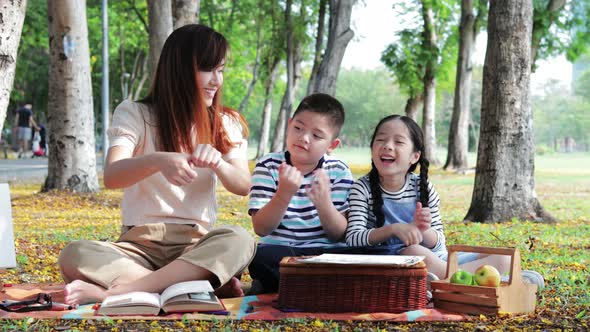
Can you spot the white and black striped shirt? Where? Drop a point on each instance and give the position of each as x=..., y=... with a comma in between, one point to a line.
x=300, y=226
x=361, y=219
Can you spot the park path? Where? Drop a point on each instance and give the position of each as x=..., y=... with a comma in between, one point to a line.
x=29, y=170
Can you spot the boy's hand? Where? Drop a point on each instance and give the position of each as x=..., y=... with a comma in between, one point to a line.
x=319, y=190
x=206, y=156
x=290, y=180
x=422, y=217
x=409, y=234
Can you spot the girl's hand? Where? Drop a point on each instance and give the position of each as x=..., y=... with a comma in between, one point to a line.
x=409, y=234
x=176, y=168
x=206, y=156
x=422, y=217
x=290, y=180
x=319, y=190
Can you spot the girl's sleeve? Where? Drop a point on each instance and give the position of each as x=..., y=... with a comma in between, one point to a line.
x=234, y=131
x=358, y=229
x=127, y=126
x=436, y=224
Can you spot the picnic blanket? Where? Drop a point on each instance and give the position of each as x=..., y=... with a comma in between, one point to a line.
x=255, y=307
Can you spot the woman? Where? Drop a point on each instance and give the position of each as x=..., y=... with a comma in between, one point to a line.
x=166, y=151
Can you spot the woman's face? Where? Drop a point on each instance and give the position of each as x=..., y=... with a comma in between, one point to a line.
x=210, y=82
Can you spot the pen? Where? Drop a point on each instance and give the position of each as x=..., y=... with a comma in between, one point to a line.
x=57, y=306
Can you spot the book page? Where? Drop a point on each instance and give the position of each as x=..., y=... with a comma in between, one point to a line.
x=194, y=286
x=398, y=260
x=7, y=251
x=132, y=299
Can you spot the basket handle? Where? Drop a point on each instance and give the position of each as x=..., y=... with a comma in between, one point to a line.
x=514, y=253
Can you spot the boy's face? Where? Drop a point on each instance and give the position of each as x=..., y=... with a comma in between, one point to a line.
x=309, y=136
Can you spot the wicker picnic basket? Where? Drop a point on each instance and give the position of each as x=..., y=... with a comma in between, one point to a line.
x=514, y=296
x=316, y=287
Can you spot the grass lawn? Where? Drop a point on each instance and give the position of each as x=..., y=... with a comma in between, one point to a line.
x=45, y=222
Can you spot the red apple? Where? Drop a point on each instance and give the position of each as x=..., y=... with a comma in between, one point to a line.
x=487, y=275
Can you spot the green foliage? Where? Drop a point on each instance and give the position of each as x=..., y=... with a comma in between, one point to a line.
x=558, y=114
x=564, y=31
x=402, y=60
x=30, y=83
x=367, y=96
x=582, y=85
x=408, y=57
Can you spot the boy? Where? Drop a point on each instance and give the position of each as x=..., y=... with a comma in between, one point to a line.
x=298, y=199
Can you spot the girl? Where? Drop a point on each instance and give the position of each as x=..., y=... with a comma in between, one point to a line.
x=166, y=151
x=394, y=211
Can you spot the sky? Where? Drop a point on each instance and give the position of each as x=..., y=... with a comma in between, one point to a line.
x=373, y=23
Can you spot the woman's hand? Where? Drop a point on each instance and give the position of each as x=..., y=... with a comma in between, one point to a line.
x=123, y=170
x=176, y=168
x=409, y=234
x=206, y=156
x=422, y=217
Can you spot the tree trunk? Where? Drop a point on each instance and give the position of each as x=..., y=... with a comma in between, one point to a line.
x=255, y=67
x=185, y=12
x=459, y=131
x=72, y=158
x=429, y=80
x=267, y=111
x=319, y=46
x=413, y=106
x=160, y=22
x=504, y=180
x=140, y=75
x=293, y=59
x=12, y=16
x=339, y=36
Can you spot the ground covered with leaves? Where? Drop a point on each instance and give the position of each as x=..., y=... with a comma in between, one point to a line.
x=45, y=222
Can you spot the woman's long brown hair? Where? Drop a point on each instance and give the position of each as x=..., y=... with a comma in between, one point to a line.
x=176, y=97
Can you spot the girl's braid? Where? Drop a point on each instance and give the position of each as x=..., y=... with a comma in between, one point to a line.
x=424, y=180
x=376, y=195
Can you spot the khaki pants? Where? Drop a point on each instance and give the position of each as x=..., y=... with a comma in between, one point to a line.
x=225, y=252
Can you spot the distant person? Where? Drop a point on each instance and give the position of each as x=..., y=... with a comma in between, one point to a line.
x=168, y=151
x=40, y=142
x=24, y=122
x=4, y=142
x=298, y=197
x=399, y=211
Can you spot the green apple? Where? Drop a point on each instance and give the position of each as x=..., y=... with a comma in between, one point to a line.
x=487, y=275
x=462, y=277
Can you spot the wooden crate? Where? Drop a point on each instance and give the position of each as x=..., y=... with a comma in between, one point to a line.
x=514, y=296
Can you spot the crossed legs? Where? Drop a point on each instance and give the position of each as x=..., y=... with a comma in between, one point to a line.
x=94, y=270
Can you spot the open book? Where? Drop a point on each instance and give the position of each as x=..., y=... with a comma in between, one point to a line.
x=188, y=296
x=395, y=260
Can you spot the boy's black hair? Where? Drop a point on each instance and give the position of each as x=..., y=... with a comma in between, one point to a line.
x=324, y=104
x=418, y=140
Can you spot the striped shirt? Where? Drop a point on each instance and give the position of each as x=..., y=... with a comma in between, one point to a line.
x=301, y=225
x=361, y=219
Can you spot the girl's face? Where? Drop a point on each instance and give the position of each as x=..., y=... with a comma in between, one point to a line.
x=393, y=150
x=210, y=82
